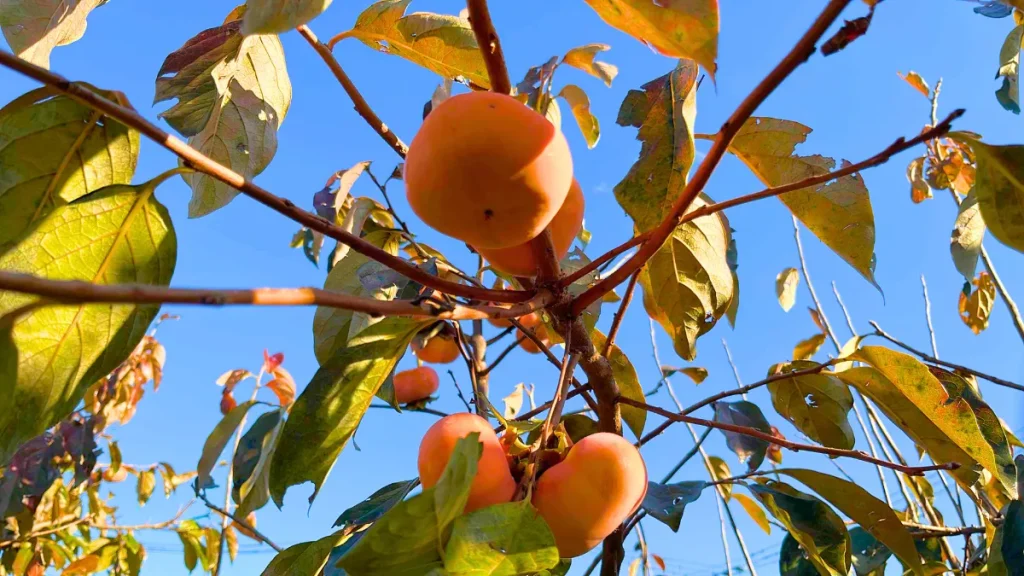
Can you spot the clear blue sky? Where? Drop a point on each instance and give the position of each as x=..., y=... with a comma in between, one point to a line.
x=854, y=101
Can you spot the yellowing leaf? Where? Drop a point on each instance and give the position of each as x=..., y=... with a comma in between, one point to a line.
x=755, y=511
x=440, y=43
x=976, y=308
x=919, y=188
x=580, y=104
x=145, y=486
x=817, y=404
x=676, y=28
x=785, y=287
x=276, y=16
x=33, y=28
x=968, y=233
x=916, y=82
x=696, y=373
x=585, y=58
x=806, y=349
x=1008, y=94
x=1000, y=189
x=718, y=469
x=839, y=212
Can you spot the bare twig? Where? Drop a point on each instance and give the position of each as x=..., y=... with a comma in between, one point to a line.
x=424, y=409
x=490, y=46
x=620, y=315
x=503, y=354
x=842, y=306
x=732, y=364
x=241, y=522
x=928, y=317
x=361, y=106
x=202, y=163
x=494, y=340
x=458, y=390
x=934, y=360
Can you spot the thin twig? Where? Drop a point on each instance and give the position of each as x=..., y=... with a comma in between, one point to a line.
x=490, y=46
x=423, y=410
x=553, y=360
x=732, y=364
x=361, y=106
x=503, y=354
x=842, y=306
x=458, y=390
x=243, y=523
x=620, y=315
x=928, y=317
x=686, y=458
x=494, y=340
x=934, y=360
x=202, y=163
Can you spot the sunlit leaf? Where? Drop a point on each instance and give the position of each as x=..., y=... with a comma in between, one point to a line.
x=54, y=150
x=968, y=233
x=838, y=212
x=747, y=448
x=145, y=486
x=816, y=527
x=1008, y=93
x=276, y=16
x=218, y=440
x=869, y=512
x=33, y=28
x=667, y=502
x=326, y=414
x=817, y=404
x=114, y=235
x=513, y=402
x=756, y=512
x=585, y=58
x=976, y=308
x=786, y=284
x=919, y=188
x=440, y=43
x=1000, y=190
x=916, y=82
x=696, y=373
x=719, y=470
x=677, y=29
x=806, y=349
x=303, y=558
x=579, y=102
x=504, y=539
x=251, y=462
x=628, y=382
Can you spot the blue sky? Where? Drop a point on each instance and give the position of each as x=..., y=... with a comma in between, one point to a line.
x=854, y=101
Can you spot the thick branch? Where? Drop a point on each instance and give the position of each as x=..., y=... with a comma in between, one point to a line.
x=361, y=106
x=202, y=163
x=490, y=46
x=929, y=358
x=795, y=446
x=78, y=291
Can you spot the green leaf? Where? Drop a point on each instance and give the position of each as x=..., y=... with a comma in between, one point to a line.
x=276, y=16
x=806, y=349
x=793, y=561
x=218, y=440
x=869, y=555
x=755, y=512
x=1008, y=93
x=333, y=327
x=815, y=526
x=409, y=538
x=667, y=502
x=501, y=540
x=145, y=486
x=686, y=29
x=249, y=462
x=1011, y=544
x=440, y=43
x=326, y=414
x=233, y=93
x=958, y=387
x=915, y=400
x=817, y=404
x=786, y=284
x=54, y=150
x=869, y=512
x=585, y=58
x=968, y=233
x=118, y=234
x=629, y=383
x=838, y=212
x=369, y=510
x=33, y=28
x=303, y=558
x=1000, y=190
x=747, y=448
x=579, y=102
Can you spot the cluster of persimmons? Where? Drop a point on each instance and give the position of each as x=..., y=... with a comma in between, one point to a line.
x=489, y=171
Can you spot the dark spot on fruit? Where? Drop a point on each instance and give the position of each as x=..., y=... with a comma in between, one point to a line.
x=492, y=106
x=488, y=213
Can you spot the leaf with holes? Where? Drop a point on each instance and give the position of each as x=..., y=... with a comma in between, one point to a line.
x=667, y=502
x=275, y=16
x=118, y=234
x=838, y=212
x=678, y=29
x=54, y=150
x=33, y=28
x=579, y=103
x=440, y=43
x=786, y=284
x=976, y=308
x=585, y=58
x=817, y=404
x=747, y=448
x=968, y=233
x=509, y=538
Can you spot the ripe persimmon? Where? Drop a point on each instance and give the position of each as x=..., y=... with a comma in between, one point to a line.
x=488, y=170
x=585, y=497
x=493, y=483
x=416, y=384
x=439, y=349
x=519, y=260
x=536, y=323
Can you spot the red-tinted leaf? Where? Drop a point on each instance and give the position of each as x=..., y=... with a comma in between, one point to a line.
x=774, y=450
x=227, y=403
x=283, y=386
x=271, y=362
x=659, y=561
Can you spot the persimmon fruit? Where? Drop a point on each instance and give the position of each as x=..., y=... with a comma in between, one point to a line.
x=439, y=349
x=415, y=384
x=536, y=323
x=488, y=170
x=493, y=483
x=519, y=260
x=586, y=496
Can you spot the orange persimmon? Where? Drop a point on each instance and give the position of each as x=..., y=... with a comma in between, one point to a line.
x=440, y=349
x=416, y=384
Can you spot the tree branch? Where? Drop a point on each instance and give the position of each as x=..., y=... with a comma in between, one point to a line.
x=241, y=522
x=620, y=315
x=795, y=446
x=361, y=106
x=202, y=163
x=490, y=46
x=79, y=291
x=934, y=360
